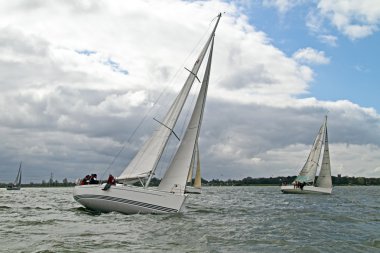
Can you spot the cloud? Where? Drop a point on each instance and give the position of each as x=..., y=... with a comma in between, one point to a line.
x=329, y=39
x=355, y=19
x=282, y=5
x=311, y=56
x=79, y=77
x=276, y=141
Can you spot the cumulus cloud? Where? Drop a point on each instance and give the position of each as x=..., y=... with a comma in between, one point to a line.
x=355, y=19
x=78, y=77
x=311, y=56
x=329, y=39
x=282, y=5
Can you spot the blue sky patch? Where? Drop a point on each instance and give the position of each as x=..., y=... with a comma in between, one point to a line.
x=116, y=67
x=86, y=52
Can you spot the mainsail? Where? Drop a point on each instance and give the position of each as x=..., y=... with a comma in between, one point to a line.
x=17, y=181
x=190, y=175
x=309, y=170
x=176, y=176
x=324, y=177
x=146, y=160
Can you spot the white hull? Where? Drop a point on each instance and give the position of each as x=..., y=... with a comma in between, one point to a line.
x=13, y=188
x=128, y=199
x=193, y=190
x=306, y=190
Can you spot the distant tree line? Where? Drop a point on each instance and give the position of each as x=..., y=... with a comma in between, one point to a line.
x=49, y=183
x=248, y=181
x=289, y=179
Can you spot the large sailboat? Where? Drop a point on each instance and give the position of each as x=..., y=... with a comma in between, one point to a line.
x=16, y=185
x=170, y=195
x=305, y=182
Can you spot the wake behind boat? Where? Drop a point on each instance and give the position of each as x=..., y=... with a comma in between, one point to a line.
x=170, y=195
x=305, y=182
x=16, y=185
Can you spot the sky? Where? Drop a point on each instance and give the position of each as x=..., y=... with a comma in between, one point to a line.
x=82, y=80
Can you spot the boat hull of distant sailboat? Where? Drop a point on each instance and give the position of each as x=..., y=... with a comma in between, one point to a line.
x=13, y=188
x=128, y=199
x=193, y=190
x=305, y=190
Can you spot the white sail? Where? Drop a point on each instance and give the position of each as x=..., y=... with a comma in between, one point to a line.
x=324, y=177
x=146, y=160
x=175, y=177
x=17, y=181
x=309, y=170
x=190, y=175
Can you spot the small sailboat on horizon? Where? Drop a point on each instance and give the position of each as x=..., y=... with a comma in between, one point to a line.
x=305, y=182
x=16, y=185
x=170, y=195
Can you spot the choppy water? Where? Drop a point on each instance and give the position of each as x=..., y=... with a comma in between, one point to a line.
x=222, y=219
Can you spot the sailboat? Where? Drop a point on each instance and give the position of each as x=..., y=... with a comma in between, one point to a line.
x=169, y=196
x=16, y=185
x=305, y=182
x=196, y=187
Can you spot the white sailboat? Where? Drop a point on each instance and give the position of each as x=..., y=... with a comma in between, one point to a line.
x=196, y=187
x=16, y=185
x=305, y=182
x=170, y=195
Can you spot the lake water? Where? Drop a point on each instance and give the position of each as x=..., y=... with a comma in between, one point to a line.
x=222, y=219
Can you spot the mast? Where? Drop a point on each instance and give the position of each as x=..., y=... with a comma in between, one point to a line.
x=145, y=162
x=176, y=176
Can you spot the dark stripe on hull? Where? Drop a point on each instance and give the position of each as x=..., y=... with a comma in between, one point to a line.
x=127, y=201
x=303, y=192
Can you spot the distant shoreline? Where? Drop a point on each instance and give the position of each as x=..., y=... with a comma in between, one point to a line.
x=204, y=186
x=248, y=181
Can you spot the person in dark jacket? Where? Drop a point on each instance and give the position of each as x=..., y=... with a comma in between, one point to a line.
x=111, y=181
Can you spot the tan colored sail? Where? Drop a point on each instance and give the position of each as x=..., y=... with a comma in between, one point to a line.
x=198, y=181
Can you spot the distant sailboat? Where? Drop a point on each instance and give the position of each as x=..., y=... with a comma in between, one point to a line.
x=16, y=185
x=196, y=188
x=170, y=195
x=305, y=182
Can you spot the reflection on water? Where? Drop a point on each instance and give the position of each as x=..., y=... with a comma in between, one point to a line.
x=221, y=219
